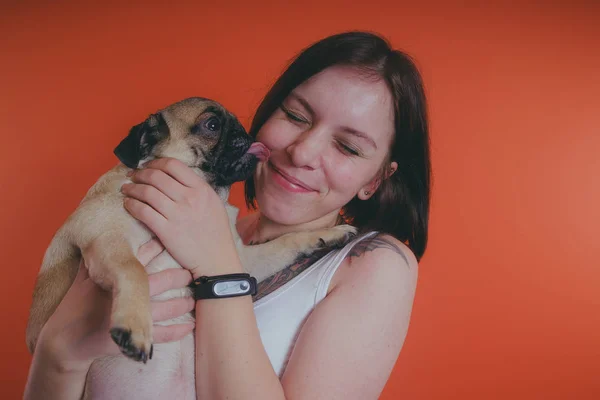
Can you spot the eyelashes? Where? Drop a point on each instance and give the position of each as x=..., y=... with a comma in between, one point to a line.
x=290, y=115
x=347, y=149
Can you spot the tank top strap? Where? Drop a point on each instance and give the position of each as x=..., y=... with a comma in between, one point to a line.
x=332, y=264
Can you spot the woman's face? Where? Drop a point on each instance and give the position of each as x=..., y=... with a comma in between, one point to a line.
x=328, y=142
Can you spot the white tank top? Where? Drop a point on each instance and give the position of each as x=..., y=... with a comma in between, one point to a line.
x=281, y=313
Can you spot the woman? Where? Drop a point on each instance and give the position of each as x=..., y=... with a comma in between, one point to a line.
x=346, y=125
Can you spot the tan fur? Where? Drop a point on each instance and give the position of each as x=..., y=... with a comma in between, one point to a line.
x=100, y=222
x=101, y=226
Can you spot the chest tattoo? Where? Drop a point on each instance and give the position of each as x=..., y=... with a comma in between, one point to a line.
x=280, y=278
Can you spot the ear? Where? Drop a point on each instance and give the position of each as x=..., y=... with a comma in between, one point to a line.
x=369, y=189
x=141, y=140
x=129, y=150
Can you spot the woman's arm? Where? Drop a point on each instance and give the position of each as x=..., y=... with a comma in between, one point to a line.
x=47, y=380
x=77, y=333
x=53, y=375
x=231, y=362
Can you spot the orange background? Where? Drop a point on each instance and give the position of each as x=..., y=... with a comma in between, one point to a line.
x=508, y=299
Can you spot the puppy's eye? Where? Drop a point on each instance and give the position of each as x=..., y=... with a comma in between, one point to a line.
x=213, y=124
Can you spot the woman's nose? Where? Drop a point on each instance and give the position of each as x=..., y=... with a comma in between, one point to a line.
x=306, y=150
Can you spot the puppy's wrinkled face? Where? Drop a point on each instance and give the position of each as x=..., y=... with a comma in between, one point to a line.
x=199, y=132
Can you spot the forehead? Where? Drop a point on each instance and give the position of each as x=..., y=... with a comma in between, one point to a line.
x=181, y=116
x=189, y=109
x=347, y=96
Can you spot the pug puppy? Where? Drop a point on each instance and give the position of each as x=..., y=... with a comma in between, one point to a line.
x=205, y=136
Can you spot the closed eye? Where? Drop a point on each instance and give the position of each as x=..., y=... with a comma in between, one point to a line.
x=346, y=149
x=290, y=115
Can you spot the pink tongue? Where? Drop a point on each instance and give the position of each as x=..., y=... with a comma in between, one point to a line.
x=259, y=150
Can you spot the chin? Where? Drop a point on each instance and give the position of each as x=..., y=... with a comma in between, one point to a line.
x=277, y=211
x=282, y=212
x=289, y=214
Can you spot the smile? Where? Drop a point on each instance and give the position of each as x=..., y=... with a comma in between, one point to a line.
x=289, y=183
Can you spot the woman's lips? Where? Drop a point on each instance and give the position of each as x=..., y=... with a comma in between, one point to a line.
x=288, y=182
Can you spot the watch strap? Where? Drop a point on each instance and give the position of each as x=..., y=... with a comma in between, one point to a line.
x=224, y=286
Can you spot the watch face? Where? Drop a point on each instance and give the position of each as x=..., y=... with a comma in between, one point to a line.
x=230, y=287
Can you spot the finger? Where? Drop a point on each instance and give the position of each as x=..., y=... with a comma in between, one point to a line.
x=173, y=278
x=165, y=310
x=150, y=195
x=171, y=333
x=149, y=250
x=177, y=170
x=160, y=180
x=144, y=213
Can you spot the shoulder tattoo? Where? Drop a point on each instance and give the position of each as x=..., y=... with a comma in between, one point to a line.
x=376, y=242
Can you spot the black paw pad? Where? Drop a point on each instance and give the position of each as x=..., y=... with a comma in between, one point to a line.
x=122, y=337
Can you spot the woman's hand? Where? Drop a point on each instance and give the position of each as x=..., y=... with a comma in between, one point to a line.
x=186, y=215
x=77, y=333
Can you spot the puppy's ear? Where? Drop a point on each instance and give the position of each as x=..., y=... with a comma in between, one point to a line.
x=141, y=140
x=128, y=151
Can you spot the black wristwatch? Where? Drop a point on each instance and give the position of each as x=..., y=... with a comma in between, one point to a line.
x=223, y=286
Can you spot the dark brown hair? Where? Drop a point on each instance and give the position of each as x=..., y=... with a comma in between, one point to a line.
x=400, y=206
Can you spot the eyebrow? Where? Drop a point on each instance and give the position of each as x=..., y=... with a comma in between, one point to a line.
x=304, y=103
x=360, y=135
x=346, y=129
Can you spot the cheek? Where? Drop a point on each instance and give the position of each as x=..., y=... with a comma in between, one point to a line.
x=276, y=134
x=343, y=176
x=346, y=177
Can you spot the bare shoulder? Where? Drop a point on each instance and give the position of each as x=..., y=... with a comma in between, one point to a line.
x=379, y=260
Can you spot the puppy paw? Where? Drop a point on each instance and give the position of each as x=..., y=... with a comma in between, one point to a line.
x=264, y=260
x=308, y=242
x=124, y=339
x=134, y=338
x=336, y=237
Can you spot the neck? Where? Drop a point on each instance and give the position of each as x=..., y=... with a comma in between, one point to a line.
x=260, y=228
